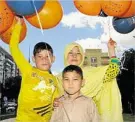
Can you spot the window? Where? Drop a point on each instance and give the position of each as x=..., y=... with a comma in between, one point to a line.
x=93, y=59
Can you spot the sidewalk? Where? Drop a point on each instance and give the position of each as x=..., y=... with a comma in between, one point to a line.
x=127, y=118
x=8, y=120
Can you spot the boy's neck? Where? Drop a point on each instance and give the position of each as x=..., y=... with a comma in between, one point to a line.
x=73, y=96
x=43, y=70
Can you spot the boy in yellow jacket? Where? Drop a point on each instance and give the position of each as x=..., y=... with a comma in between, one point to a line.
x=39, y=86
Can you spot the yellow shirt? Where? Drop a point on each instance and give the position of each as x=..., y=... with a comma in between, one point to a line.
x=38, y=88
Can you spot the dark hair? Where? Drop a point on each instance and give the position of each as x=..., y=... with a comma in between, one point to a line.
x=42, y=46
x=72, y=68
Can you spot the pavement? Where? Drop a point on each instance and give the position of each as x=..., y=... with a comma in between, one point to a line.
x=9, y=120
x=127, y=118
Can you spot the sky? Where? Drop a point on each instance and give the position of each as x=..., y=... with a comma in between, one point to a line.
x=89, y=31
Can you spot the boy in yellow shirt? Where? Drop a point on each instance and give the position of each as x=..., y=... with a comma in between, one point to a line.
x=39, y=87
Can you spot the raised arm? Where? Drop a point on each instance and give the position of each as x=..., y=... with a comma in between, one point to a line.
x=113, y=68
x=17, y=55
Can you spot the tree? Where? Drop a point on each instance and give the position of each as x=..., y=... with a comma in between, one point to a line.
x=12, y=87
x=126, y=80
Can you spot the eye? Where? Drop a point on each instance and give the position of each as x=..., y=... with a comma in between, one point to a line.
x=78, y=53
x=39, y=56
x=65, y=79
x=70, y=53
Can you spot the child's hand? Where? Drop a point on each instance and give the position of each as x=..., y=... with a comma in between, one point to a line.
x=111, y=44
x=56, y=103
x=19, y=20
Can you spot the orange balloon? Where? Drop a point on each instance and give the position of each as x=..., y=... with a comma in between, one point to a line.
x=5, y=37
x=50, y=15
x=6, y=16
x=115, y=7
x=88, y=7
x=131, y=10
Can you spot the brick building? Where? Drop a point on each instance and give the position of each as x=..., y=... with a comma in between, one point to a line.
x=95, y=57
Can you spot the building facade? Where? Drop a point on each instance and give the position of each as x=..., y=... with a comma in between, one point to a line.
x=8, y=67
x=95, y=57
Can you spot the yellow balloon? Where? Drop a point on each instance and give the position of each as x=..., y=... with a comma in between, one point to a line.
x=131, y=10
x=6, y=16
x=49, y=16
x=115, y=7
x=5, y=37
x=88, y=7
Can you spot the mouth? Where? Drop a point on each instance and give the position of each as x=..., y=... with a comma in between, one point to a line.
x=70, y=88
x=45, y=64
x=74, y=60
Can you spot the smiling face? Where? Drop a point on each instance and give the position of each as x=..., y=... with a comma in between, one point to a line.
x=44, y=60
x=74, y=56
x=72, y=82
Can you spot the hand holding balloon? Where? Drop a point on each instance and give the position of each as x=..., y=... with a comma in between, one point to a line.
x=19, y=20
x=111, y=47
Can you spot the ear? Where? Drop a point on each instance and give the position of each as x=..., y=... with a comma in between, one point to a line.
x=62, y=81
x=33, y=59
x=83, y=82
x=53, y=59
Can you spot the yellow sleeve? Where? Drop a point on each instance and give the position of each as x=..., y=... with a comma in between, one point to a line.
x=17, y=55
x=57, y=92
x=59, y=84
x=93, y=80
x=112, y=70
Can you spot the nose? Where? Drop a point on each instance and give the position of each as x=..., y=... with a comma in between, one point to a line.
x=70, y=82
x=45, y=59
x=74, y=54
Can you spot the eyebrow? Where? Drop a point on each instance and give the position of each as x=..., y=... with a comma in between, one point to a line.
x=74, y=77
x=65, y=77
x=77, y=51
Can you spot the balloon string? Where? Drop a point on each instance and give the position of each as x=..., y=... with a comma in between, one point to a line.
x=109, y=29
x=41, y=28
x=38, y=18
x=133, y=18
